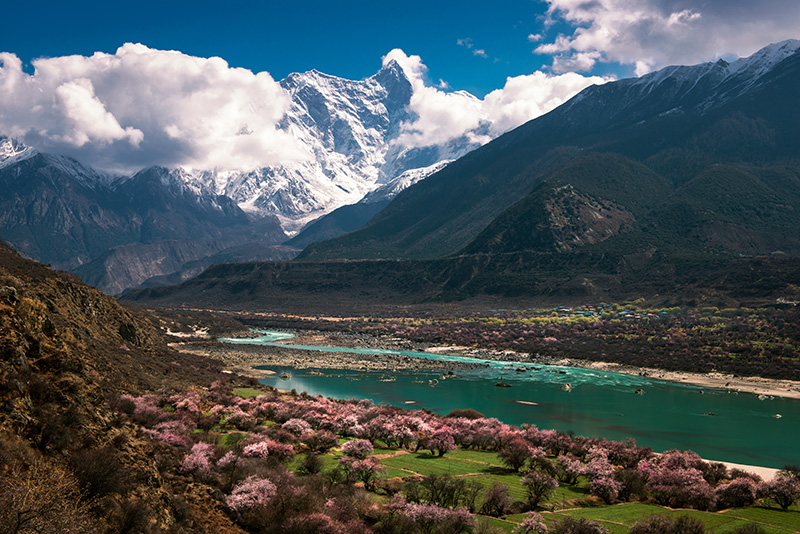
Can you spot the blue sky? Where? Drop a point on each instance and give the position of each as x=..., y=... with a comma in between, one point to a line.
x=72, y=85
x=345, y=38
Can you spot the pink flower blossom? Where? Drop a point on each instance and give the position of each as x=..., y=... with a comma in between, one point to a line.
x=241, y=419
x=358, y=448
x=228, y=459
x=259, y=449
x=199, y=459
x=250, y=493
x=606, y=487
x=533, y=524
x=298, y=427
x=441, y=441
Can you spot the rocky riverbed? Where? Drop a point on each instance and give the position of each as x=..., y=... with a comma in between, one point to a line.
x=257, y=360
x=245, y=359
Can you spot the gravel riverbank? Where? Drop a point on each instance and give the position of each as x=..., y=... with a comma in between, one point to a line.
x=244, y=359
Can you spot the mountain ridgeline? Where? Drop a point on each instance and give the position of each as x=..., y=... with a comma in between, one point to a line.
x=661, y=185
x=117, y=233
x=161, y=225
x=692, y=154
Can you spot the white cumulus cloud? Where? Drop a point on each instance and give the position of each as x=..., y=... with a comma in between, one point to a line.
x=142, y=106
x=89, y=118
x=441, y=116
x=651, y=34
x=526, y=97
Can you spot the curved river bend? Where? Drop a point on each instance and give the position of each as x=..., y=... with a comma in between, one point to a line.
x=717, y=424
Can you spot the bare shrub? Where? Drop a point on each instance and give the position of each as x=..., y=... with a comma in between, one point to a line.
x=134, y=517
x=311, y=464
x=99, y=472
x=43, y=498
x=498, y=502
x=579, y=525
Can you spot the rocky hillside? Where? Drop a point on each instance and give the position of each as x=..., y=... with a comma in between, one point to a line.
x=60, y=212
x=66, y=354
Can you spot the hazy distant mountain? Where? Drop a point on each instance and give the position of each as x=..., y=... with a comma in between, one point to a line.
x=58, y=211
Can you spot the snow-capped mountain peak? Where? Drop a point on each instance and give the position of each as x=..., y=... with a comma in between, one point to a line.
x=765, y=59
x=348, y=127
x=405, y=180
x=694, y=89
x=13, y=151
x=726, y=80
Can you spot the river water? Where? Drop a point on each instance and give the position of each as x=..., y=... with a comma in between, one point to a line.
x=717, y=424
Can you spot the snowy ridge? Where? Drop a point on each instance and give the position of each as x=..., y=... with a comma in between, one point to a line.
x=765, y=59
x=86, y=175
x=730, y=79
x=404, y=181
x=348, y=128
x=13, y=151
x=674, y=90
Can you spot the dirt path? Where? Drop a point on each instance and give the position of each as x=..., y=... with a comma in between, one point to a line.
x=391, y=455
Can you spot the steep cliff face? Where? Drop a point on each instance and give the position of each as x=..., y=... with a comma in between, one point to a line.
x=56, y=210
x=130, y=266
x=66, y=351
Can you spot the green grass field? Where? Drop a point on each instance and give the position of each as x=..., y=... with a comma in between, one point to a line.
x=247, y=393
x=423, y=463
x=486, y=468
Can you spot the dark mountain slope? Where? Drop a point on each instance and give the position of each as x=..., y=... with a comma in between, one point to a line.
x=442, y=213
x=167, y=208
x=570, y=207
x=724, y=210
x=58, y=211
x=679, y=121
x=733, y=209
x=340, y=221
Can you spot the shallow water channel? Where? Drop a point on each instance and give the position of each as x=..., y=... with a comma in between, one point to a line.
x=717, y=424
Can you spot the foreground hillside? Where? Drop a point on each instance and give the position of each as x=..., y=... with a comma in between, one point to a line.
x=67, y=463
x=293, y=463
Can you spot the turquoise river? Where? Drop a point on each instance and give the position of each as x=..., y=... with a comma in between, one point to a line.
x=717, y=424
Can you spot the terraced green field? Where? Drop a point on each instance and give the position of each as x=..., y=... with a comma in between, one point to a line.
x=486, y=468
